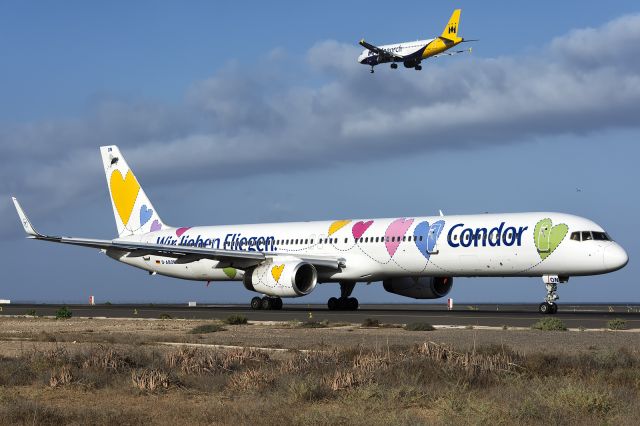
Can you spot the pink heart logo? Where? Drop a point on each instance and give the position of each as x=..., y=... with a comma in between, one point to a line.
x=360, y=228
x=181, y=231
x=394, y=234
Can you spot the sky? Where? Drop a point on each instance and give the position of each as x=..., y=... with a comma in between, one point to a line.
x=241, y=112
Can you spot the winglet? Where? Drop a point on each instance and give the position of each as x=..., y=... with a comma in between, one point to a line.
x=26, y=223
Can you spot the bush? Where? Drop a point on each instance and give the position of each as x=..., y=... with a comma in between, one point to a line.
x=165, y=316
x=206, y=328
x=236, y=319
x=370, y=322
x=63, y=313
x=617, y=324
x=31, y=313
x=419, y=326
x=314, y=324
x=549, y=324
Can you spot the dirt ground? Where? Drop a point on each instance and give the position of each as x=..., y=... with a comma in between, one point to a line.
x=19, y=334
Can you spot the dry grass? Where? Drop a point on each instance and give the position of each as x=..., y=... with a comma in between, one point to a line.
x=426, y=383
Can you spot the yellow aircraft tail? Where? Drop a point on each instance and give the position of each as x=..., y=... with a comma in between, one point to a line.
x=451, y=30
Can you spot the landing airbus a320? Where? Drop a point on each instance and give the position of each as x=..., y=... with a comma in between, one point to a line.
x=416, y=257
x=412, y=53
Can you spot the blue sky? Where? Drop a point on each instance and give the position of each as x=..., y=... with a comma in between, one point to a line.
x=241, y=112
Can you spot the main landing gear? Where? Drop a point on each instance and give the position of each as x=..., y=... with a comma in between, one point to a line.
x=371, y=69
x=267, y=303
x=345, y=302
x=549, y=305
x=418, y=67
x=394, y=66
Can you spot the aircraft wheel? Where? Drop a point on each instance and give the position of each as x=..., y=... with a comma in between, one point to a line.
x=332, y=304
x=554, y=309
x=352, y=303
x=545, y=308
x=277, y=304
x=256, y=303
x=394, y=66
x=418, y=67
x=267, y=303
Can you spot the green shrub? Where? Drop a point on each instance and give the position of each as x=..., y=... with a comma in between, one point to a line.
x=617, y=324
x=31, y=313
x=206, y=328
x=370, y=322
x=63, y=313
x=236, y=319
x=419, y=326
x=165, y=316
x=549, y=324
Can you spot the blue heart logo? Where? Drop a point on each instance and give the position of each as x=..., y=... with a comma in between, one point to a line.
x=426, y=236
x=145, y=214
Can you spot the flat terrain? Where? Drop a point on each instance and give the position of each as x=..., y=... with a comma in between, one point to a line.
x=129, y=371
x=511, y=315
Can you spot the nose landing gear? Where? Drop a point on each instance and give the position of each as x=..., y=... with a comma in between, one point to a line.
x=549, y=305
x=394, y=66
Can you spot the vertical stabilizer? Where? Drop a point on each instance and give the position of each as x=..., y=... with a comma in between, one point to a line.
x=133, y=211
x=450, y=32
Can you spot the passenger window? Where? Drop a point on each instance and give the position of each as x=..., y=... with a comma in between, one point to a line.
x=575, y=236
x=306, y=241
x=420, y=238
x=296, y=241
x=346, y=240
x=586, y=236
x=404, y=238
x=361, y=239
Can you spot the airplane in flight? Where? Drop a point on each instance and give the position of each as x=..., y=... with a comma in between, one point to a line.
x=412, y=53
x=416, y=257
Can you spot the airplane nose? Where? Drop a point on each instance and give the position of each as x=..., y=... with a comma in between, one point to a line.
x=615, y=257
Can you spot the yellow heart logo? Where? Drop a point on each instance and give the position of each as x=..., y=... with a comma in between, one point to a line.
x=124, y=193
x=276, y=272
x=337, y=225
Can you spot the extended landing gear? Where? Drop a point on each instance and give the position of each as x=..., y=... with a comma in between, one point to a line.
x=371, y=69
x=418, y=67
x=549, y=305
x=548, y=308
x=266, y=303
x=344, y=302
x=394, y=66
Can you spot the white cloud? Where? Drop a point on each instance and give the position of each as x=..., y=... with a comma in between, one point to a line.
x=252, y=120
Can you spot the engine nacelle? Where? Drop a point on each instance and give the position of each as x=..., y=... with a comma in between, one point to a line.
x=419, y=287
x=284, y=277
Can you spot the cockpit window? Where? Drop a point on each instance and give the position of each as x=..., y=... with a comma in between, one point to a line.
x=600, y=236
x=586, y=236
x=590, y=235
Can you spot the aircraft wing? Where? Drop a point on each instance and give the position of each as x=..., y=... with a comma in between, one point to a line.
x=380, y=51
x=183, y=254
x=455, y=52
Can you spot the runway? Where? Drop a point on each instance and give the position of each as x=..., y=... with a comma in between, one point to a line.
x=510, y=315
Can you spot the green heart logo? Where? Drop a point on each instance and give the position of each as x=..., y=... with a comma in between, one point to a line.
x=230, y=272
x=548, y=237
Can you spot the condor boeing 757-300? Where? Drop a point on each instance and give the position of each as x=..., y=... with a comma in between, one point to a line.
x=416, y=257
x=412, y=53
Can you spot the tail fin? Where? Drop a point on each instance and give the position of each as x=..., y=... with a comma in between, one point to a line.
x=450, y=32
x=133, y=211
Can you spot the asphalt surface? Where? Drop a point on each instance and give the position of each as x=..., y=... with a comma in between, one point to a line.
x=587, y=316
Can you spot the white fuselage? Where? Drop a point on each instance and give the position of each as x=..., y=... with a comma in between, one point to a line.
x=518, y=244
x=400, y=49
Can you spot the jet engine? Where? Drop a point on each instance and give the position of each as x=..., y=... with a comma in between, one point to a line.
x=288, y=277
x=419, y=287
